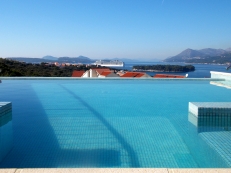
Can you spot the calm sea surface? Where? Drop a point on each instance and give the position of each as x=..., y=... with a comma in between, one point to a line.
x=202, y=70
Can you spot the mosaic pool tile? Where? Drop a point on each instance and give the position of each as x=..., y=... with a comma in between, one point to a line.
x=6, y=131
x=89, y=123
x=210, y=114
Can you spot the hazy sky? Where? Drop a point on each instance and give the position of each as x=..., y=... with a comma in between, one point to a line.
x=138, y=29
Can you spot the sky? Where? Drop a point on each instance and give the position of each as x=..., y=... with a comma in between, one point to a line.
x=98, y=29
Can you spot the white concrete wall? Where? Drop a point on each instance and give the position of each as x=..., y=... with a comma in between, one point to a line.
x=93, y=73
x=100, y=76
x=222, y=75
x=145, y=76
x=86, y=74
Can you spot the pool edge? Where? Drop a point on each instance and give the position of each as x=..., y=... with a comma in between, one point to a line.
x=80, y=78
x=116, y=170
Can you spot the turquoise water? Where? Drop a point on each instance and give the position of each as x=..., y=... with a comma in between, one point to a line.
x=113, y=123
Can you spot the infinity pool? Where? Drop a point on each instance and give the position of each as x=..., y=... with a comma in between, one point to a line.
x=113, y=123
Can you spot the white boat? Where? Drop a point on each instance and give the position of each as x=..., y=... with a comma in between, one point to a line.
x=109, y=63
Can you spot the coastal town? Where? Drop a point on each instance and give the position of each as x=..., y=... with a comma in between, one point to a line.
x=98, y=71
x=106, y=72
x=14, y=68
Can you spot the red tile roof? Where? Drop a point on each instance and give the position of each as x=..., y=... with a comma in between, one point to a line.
x=139, y=75
x=76, y=73
x=133, y=74
x=100, y=70
x=105, y=73
x=120, y=73
x=168, y=76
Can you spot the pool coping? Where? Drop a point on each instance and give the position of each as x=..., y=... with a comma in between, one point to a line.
x=116, y=170
x=80, y=78
x=221, y=73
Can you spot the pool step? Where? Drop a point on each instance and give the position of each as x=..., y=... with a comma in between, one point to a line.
x=5, y=113
x=213, y=114
x=6, y=131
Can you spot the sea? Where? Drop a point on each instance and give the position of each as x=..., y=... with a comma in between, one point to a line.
x=201, y=70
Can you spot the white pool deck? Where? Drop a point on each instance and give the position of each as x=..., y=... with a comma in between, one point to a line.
x=114, y=170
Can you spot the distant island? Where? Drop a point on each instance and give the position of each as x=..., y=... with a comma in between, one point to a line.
x=203, y=56
x=48, y=58
x=72, y=60
x=164, y=68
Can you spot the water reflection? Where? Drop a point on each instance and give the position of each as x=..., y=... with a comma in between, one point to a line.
x=6, y=131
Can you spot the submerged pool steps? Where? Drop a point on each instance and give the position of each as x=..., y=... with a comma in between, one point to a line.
x=213, y=114
x=6, y=132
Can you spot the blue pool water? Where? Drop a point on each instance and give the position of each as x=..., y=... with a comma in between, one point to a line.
x=112, y=123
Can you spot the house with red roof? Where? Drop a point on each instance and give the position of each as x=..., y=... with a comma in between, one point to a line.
x=102, y=72
x=136, y=75
x=95, y=72
x=77, y=73
x=121, y=72
x=108, y=74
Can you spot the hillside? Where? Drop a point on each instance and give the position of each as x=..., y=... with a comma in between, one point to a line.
x=189, y=55
x=48, y=57
x=221, y=59
x=229, y=49
x=184, y=55
x=16, y=68
x=80, y=59
x=164, y=68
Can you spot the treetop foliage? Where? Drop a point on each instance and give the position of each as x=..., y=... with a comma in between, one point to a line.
x=164, y=68
x=16, y=68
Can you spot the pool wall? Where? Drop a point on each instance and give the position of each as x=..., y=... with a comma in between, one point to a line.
x=6, y=131
x=221, y=75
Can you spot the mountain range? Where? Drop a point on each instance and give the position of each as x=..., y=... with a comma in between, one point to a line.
x=79, y=59
x=48, y=58
x=190, y=54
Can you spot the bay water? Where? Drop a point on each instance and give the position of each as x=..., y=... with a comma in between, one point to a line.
x=201, y=70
